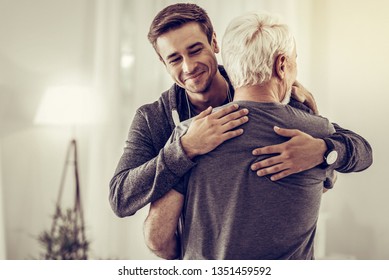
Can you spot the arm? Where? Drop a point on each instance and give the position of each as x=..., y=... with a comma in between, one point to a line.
x=302, y=95
x=298, y=154
x=145, y=173
x=161, y=224
x=355, y=153
x=303, y=152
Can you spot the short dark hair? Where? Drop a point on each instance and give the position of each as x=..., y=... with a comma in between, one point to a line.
x=175, y=16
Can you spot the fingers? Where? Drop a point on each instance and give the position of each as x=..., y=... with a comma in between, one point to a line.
x=297, y=94
x=226, y=115
x=235, y=123
x=281, y=175
x=277, y=170
x=279, y=148
x=204, y=113
x=228, y=119
x=266, y=163
x=302, y=95
x=233, y=116
x=274, y=149
x=286, y=132
x=225, y=111
x=273, y=165
x=231, y=134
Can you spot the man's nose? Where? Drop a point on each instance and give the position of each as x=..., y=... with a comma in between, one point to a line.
x=189, y=64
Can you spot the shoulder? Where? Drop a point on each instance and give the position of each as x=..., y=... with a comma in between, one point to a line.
x=163, y=105
x=158, y=114
x=152, y=118
x=309, y=120
x=298, y=105
x=156, y=105
x=299, y=113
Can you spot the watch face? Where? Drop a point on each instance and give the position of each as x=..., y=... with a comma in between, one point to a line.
x=332, y=157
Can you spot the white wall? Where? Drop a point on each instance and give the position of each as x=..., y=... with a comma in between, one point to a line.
x=2, y=224
x=349, y=67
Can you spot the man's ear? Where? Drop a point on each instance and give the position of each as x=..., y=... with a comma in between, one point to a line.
x=214, y=44
x=280, y=66
x=161, y=59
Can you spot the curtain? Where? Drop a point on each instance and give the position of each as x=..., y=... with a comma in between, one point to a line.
x=101, y=140
x=110, y=237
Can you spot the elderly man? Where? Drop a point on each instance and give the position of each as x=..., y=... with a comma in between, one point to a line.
x=228, y=212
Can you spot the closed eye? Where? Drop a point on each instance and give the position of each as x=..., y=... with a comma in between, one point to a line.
x=174, y=60
x=196, y=51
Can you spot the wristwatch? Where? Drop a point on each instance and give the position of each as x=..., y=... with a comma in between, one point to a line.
x=331, y=155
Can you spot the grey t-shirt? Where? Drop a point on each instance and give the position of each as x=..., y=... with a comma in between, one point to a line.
x=231, y=213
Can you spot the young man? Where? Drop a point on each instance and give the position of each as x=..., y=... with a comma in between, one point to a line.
x=229, y=212
x=185, y=42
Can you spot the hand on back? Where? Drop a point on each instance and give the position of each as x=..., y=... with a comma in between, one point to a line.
x=209, y=129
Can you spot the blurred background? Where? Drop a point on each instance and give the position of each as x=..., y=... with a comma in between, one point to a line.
x=99, y=48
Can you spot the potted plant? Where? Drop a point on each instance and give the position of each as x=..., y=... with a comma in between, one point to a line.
x=66, y=239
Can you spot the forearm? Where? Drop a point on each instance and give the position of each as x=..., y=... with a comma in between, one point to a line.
x=134, y=185
x=161, y=224
x=354, y=152
x=167, y=251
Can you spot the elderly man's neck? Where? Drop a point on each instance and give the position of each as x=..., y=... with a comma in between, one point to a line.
x=267, y=92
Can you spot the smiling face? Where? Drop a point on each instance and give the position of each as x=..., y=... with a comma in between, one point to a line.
x=189, y=58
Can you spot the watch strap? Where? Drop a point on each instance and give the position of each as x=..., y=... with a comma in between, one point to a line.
x=330, y=147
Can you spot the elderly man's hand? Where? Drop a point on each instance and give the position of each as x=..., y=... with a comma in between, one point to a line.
x=302, y=95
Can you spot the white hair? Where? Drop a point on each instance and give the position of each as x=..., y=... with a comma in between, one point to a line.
x=250, y=46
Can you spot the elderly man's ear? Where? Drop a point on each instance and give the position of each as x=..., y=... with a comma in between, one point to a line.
x=280, y=66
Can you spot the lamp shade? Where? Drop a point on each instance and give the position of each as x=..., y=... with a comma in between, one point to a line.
x=65, y=105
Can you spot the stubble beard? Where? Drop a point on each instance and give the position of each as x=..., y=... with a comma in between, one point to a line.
x=202, y=87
